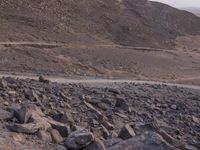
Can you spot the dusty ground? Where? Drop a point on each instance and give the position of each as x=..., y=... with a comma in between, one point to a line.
x=106, y=61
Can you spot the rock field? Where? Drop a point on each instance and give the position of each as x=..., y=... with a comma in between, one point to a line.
x=45, y=115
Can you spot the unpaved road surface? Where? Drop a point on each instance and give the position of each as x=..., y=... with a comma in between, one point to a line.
x=97, y=82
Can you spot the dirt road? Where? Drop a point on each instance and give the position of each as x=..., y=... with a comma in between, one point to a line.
x=97, y=82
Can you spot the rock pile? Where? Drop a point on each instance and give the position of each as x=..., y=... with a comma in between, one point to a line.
x=78, y=117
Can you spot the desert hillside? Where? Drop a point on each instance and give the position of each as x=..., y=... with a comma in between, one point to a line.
x=126, y=22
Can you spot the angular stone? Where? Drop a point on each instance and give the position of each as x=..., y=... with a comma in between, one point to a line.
x=79, y=139
x=63, y=129
x=126, y=132
x=29, y=128
x=56, y=137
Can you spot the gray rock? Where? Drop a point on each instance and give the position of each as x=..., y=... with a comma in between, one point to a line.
x=126, y=132
x=79, y=139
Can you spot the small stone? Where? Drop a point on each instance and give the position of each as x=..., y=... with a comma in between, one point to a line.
x=79, y=139
x=126, y=132
x=3, y=83
x=195, y=120
x=56, y=137
x=6, y=103
x=174, y=107
x=44, y=136
x=12, y=93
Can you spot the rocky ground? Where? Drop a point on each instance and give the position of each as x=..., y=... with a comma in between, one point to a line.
x=38, y=114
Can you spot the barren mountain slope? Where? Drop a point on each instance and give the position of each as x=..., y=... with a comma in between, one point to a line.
x=127, y=22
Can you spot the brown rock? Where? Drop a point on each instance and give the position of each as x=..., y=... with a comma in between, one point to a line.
x=126, y=132
x=56, y=137
x=44, y=136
